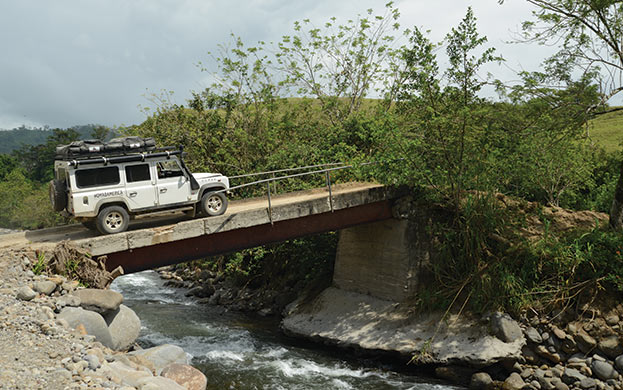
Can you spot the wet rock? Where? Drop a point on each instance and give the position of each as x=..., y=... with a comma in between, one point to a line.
x=603, y=370
x=92, y=322
x=162, y=356
x=611, y=346
x=513, y=382
x=98, y=300
x=186, y=376
x=533, y=335
x=480, y=381
x=25, y=293
x=505, y=328
x=124, y=327
x=46, y=287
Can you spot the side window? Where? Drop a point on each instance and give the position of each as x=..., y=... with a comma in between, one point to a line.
x=169, y=168
x=134, y=173
x=97, y=177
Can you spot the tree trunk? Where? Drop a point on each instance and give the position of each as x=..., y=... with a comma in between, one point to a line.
x=616, y=211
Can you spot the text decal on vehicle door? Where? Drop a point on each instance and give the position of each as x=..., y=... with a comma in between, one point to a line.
x=107, y=194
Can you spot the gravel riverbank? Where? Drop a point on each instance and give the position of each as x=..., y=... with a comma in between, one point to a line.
x=39, y=349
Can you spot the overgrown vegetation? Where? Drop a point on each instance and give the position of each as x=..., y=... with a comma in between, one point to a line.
x=348, y=93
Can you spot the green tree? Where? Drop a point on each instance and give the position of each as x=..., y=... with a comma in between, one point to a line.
x=38, y=160
x=590, y=35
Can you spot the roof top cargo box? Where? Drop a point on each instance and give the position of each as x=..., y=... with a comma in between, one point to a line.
x=114, y=147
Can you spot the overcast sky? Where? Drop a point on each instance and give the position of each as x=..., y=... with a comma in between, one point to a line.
x=71, y=62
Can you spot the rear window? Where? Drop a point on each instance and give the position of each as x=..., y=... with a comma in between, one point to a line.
x=134, y=173
x=97, y=177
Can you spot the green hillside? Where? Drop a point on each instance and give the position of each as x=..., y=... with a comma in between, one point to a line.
x=607, y=130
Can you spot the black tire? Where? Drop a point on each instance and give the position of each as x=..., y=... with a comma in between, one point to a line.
x=112, y=219
x=58, y=195
x=213, y=203
x=90, y=224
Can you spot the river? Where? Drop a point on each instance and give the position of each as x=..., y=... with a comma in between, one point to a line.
x=236, y=351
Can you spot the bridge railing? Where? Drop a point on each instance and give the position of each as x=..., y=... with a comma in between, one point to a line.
x=326, y=171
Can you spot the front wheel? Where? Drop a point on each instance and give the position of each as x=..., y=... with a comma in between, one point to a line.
x=112, y=219
x=213, y=203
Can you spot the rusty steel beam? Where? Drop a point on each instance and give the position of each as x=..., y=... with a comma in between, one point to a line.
x=180, y=251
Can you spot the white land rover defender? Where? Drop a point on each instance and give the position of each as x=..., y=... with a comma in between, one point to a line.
x=104, y=185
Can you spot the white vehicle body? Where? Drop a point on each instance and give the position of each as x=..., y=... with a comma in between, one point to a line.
x=142, y=186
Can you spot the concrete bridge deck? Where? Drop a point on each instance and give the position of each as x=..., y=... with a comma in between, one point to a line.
x=154, y=242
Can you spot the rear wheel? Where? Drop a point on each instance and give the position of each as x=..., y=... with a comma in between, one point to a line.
x=214, y=203
x=112, y=219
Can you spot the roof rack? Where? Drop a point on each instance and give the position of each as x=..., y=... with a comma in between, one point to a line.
x=88, y=149
x=124, y=158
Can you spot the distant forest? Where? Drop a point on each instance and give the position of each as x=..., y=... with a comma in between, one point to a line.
x=14, y=139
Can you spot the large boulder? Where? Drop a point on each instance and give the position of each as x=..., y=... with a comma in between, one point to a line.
x=93, y=323
x=186, y=376
x=98, y=300
x=124, y=327
x=125, y=374
x=162, y=355
x=505, y=328
x=159, y=383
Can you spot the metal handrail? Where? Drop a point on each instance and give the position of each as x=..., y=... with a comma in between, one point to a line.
x=326, y=171
x=284, y=170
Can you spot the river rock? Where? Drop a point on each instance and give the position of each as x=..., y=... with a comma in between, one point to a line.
x=480, y=381
x=559, y=332
x=585, y=342
x=126, y=374
x=505, y=328
x=46, y=287
x=547, y=354
x=571, y=375
x=611, y=346
x=588, y=383
x=603, y=370
x=612, y=319
x=98, y=300
x=533, y=335
x=25, y=293
x=513, y=382
x=93, y=323
x=618, y=362
x=186, y=376
x=124, y=326
x=158, y=383
x=67, y=300
x=161, y=356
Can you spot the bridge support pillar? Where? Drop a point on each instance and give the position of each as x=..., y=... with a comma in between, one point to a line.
x=384, y=259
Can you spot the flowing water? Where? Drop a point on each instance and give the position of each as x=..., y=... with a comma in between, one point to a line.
x=235, y=351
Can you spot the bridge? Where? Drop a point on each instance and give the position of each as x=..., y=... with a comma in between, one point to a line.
x=171, y=239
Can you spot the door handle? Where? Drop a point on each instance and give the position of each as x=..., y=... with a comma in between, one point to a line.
x=163, y=190
x=132, y=194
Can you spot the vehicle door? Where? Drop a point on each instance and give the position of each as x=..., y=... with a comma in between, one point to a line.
x=173, y=185
x=140, y=186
